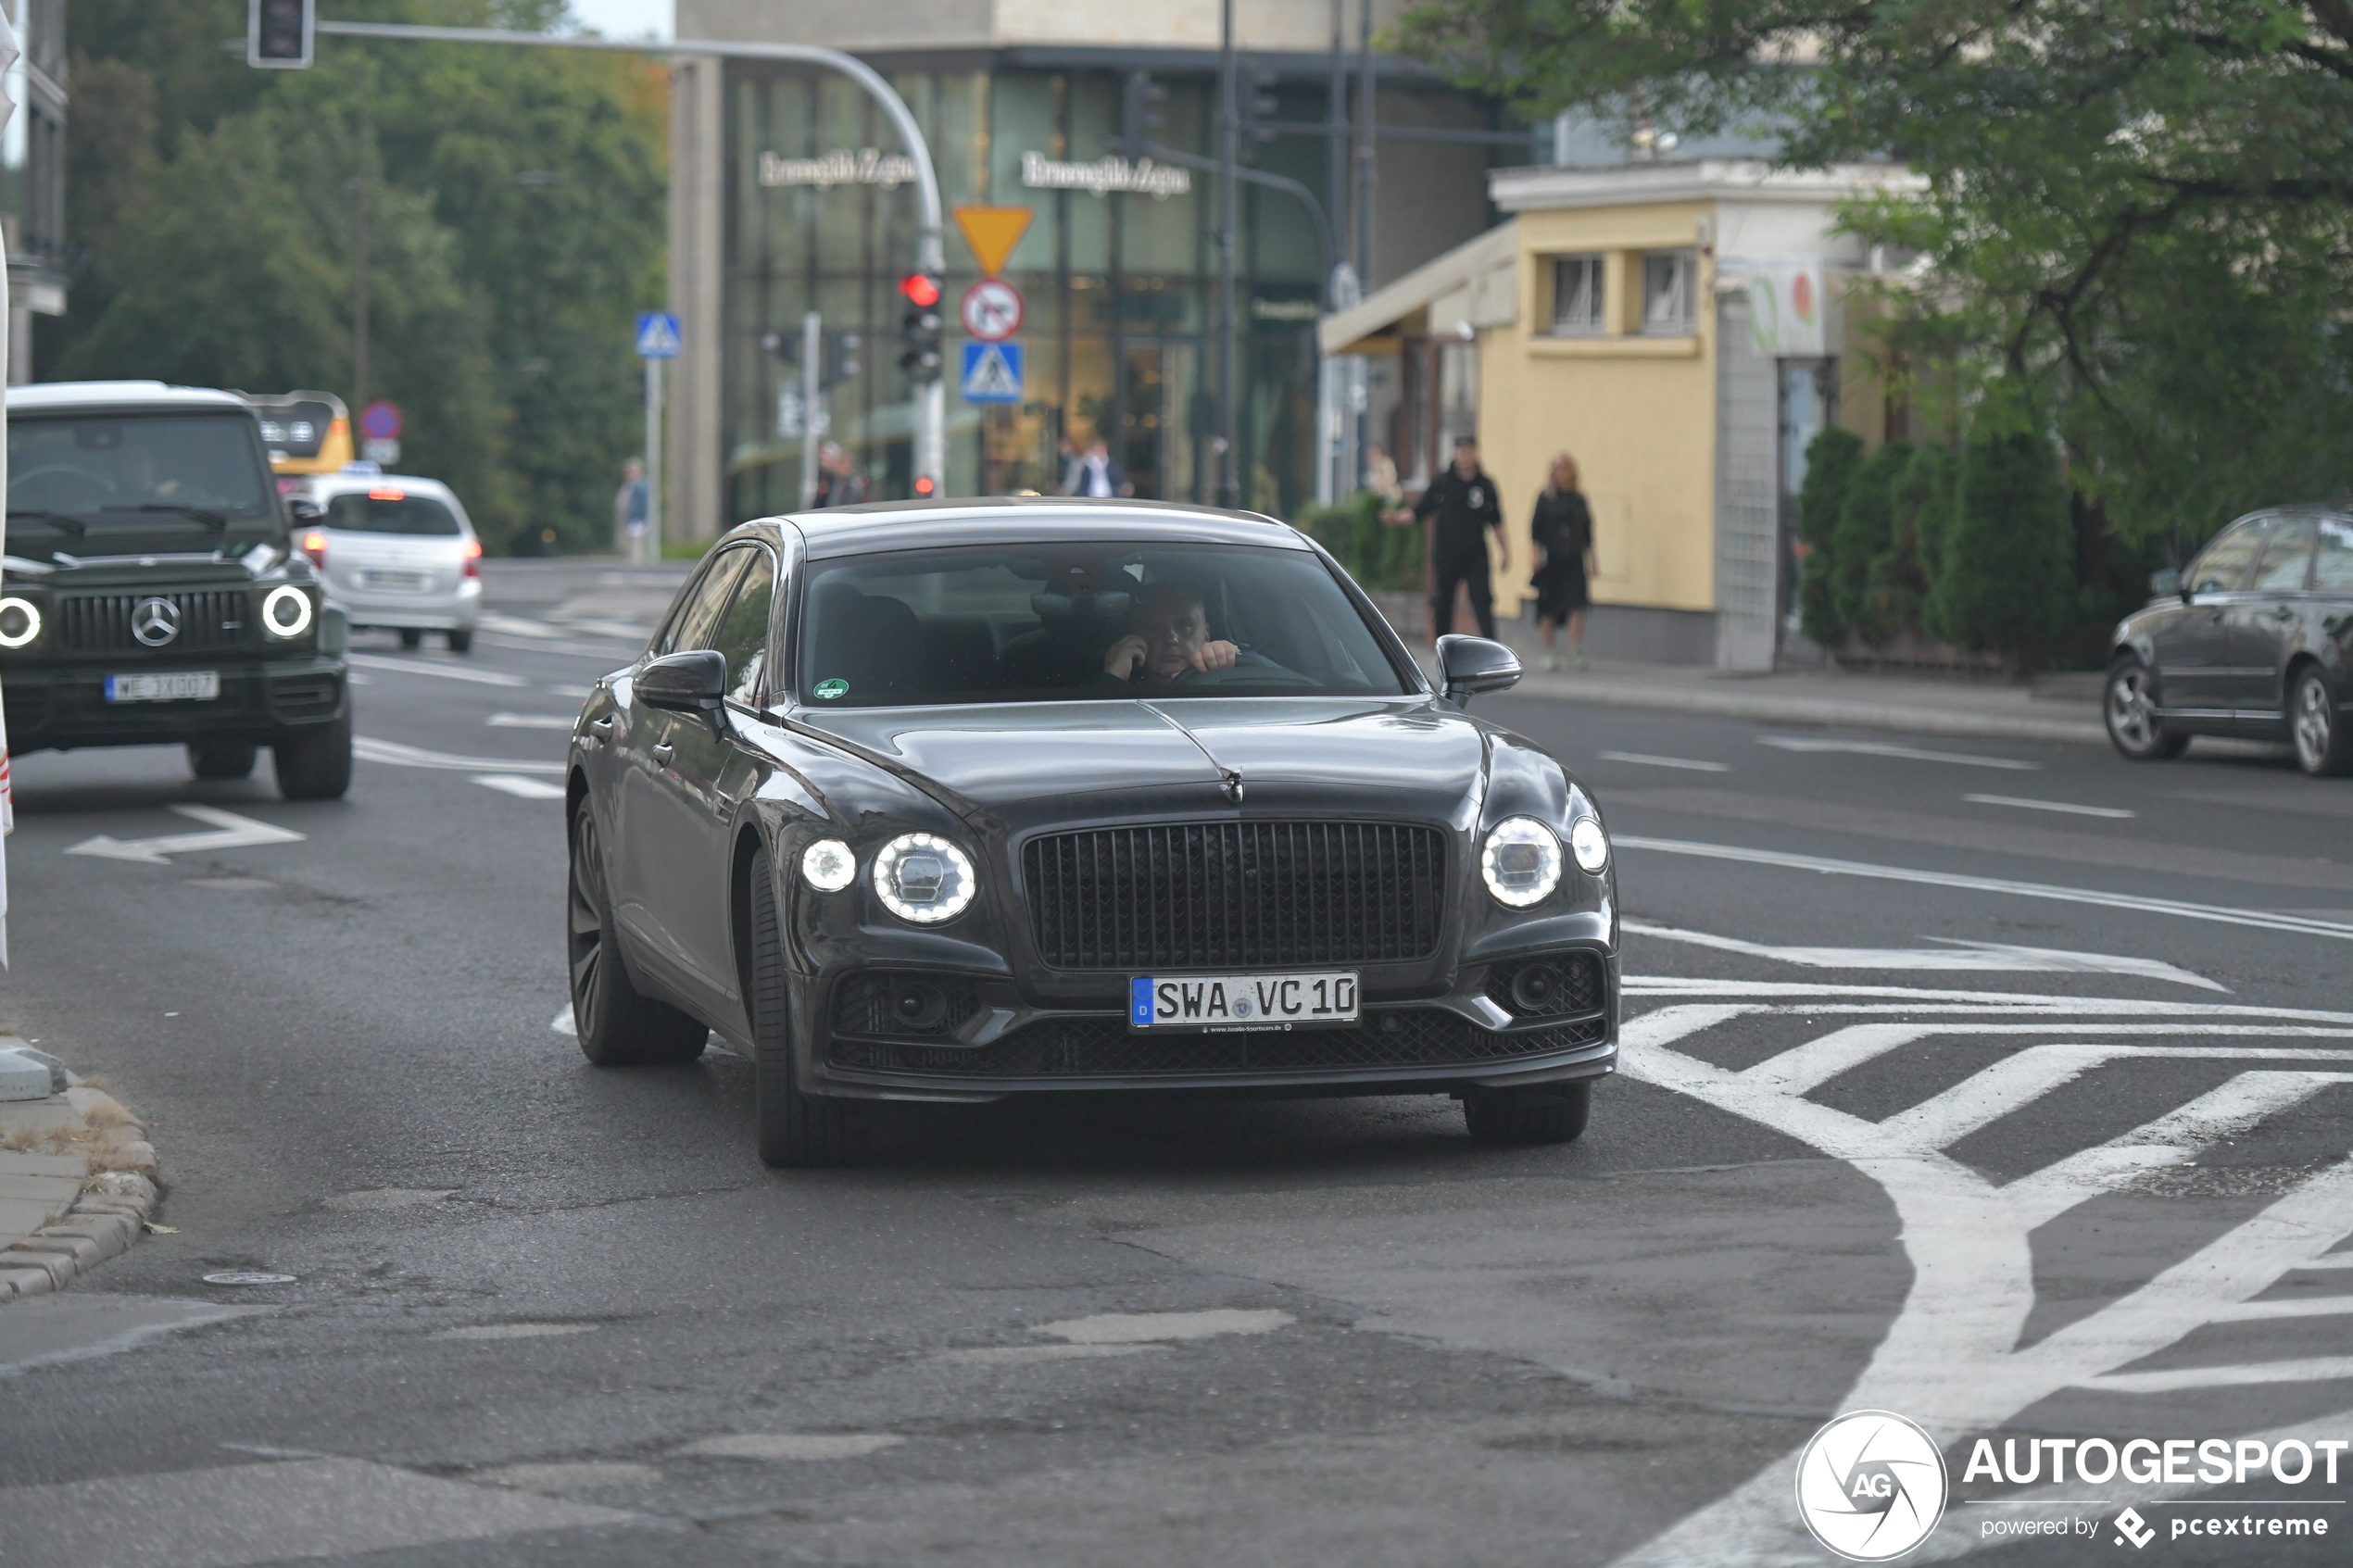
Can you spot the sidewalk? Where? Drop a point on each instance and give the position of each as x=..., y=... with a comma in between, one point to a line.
x=76, y=1173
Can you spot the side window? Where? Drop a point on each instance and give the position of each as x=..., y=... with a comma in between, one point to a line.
x=2223, y=566
x=743, y=635
x=2286, y=556
x=2334, y=570
x=697, y=611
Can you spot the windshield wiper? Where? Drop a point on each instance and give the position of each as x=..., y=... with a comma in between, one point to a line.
x=72, y=525
x=198, y=513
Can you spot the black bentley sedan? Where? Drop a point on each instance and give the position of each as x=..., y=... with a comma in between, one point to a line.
x=2254, y=639
x=947, y=801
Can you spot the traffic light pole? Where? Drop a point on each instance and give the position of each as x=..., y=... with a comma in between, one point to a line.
x=931, y=255
x=814, y=425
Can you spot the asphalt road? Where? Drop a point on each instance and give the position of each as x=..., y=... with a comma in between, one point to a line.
x=2003, y=1085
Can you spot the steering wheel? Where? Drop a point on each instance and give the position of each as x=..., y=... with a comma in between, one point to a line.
x=60, y=496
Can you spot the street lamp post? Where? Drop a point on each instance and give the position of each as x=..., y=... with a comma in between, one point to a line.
x=1228, y=218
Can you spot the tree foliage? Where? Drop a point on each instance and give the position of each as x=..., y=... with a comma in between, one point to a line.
x=515, y=222
x=2138, y=220
x=1832, y=458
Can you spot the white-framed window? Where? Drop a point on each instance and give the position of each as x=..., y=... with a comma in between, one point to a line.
x=1577, y=295
x=1671, y=287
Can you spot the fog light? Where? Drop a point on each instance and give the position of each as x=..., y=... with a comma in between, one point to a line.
x=917, y=1006
x=1535, y=987
x=19, y=622
x=286, y=612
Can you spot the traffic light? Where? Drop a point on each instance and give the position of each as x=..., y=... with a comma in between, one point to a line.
x=278, y=33
x=1257, y=109
x=919, y=329
x=1140, y=114
x=840, y=360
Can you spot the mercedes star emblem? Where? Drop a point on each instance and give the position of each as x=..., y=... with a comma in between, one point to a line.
x=154, y=622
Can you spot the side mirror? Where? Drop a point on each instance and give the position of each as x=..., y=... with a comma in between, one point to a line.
x=685, y=682
x=2166, y=582
x=1467, y=666
x=304, y=511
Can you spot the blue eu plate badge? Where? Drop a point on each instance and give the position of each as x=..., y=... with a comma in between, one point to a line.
x=1139, y=1001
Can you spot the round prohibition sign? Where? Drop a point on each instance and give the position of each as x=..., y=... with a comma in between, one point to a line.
x=991, y=310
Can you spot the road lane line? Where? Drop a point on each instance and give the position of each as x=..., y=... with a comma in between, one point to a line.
x=531, y=722
x=1954, y=955
x=2218, y=913
x=415, y=666
x=1647, y=760
x=2116, y=813
x=231, y=831
x=1886, y=748
x=368, y=748
x=521, y=787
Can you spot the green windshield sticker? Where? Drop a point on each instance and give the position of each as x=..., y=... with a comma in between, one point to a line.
x=828, y=690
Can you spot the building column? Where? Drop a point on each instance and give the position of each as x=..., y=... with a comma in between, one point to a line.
x=694, y=498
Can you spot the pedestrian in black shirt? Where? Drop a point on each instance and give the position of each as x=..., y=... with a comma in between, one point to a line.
x=1463, y=499
x=1562, y=531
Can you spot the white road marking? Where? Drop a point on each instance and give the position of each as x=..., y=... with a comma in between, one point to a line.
x=515, y=1330
x=531, y=722
x=1016, y=1355
x=1953, y=1359
x=517, y=625
x=1888, y=749
x=1957, y=955
x=1649, y=761
x=792, y=1444
x=521, y=787
x=563, y=1024
x=569, y=1477
x=558, y=689
x=2221, y=914
x=368, y=748
x=446, y=672
x=1139, y=1328
x=231, y=831
x=389, y=1198
x=620, y=631
x=2115, y=813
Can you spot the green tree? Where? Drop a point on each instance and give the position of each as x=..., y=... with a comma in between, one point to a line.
x=1862, y=538
x=1920, y=505
x=2005, y=581
x=1832, y=458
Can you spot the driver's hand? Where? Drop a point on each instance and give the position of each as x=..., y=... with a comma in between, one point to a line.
x=1215, y=656
x=1122, y=657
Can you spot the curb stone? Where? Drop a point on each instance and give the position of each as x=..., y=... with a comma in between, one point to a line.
x=76, y=1184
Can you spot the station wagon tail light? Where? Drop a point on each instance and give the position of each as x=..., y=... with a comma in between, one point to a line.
x=286, y=612
x=19, y=622
x=924, y=879
x=474, y=558
x=314, y=545
x=1521, y=861
x=387, y=494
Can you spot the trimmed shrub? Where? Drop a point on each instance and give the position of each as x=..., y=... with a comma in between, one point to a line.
x=1830, y=461
x=1862, y=537
x=1379, y=556
x=2006, y=576
x=1921, y=506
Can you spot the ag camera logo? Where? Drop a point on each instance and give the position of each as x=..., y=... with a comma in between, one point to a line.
x=1871, y=1486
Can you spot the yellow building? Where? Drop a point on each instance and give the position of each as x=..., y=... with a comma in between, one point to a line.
x=1682, y=329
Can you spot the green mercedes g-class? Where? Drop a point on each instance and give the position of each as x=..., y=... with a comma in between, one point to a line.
x=152, y=592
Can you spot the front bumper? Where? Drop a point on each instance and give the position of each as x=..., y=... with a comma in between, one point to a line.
x=56, y=707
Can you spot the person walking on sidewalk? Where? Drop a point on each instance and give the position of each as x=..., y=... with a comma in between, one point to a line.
x=1562, y=532
x=1463, y=500
x=631, y=505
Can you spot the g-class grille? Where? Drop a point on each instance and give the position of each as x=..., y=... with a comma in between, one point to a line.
x=1196, y=894
x=206, y=617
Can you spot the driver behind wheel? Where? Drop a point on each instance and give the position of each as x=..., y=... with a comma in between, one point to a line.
x=1168, y=639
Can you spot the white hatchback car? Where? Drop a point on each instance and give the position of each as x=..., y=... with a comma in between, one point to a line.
x=395, y=552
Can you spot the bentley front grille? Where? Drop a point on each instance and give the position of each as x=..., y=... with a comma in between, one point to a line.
x=1249, y=895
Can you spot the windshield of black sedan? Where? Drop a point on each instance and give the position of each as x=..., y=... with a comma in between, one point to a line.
x=1034, y=623
x=110, y=471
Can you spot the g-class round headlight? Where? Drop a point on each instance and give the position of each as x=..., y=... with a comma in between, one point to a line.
x=286, y=612
x=924, y=879
x=1521, y=861
x=1590, y=844
x=828, y=866
x=19, y=622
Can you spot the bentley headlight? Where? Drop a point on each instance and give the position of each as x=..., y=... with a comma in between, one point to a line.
x=1521, y=861
x=828, y=866
x=286, y=612
x=1590, y=844
x=924, y=879
x=19, y=622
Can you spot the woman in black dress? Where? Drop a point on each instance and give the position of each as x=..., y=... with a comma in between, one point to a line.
x=1563, y=532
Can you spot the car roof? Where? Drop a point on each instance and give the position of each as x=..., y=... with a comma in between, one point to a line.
x=343, y=482
x=1011, y=520
x=60, y=395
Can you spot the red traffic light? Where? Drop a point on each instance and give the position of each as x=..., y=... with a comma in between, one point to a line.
x=924, y=486
x=921, y=289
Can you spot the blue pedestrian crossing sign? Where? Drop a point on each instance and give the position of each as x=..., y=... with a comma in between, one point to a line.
x=657, y=335
x=992, y=372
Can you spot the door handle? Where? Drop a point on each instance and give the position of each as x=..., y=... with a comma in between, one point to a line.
x=664, y=751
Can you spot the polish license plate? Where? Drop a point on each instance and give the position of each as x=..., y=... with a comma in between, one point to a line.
x=198, y=685
x=1220, y=1004
x=407, y=582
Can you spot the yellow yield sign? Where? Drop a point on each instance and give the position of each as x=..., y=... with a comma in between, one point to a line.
x=993, y=231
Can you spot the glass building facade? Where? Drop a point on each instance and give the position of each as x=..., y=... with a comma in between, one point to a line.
x=1119, y=286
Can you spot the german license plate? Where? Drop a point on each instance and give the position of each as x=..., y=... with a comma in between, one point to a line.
x=1220, y=1004
x=195, y=685
x=408, y=581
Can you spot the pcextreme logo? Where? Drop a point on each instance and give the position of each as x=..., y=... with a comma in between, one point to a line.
x=1870, y=1486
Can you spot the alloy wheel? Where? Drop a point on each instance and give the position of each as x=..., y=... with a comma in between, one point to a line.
x=586, y=943
x=2128, y=709
x=2314, y=722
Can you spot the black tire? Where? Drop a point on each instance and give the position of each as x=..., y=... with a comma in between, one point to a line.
x=617, y=1026
x=314, y=763
x=796, y=1129
x=2128, y=706
x=2323, y=740
x=1550, y=1113
x=222, y=758
x=460, y=639
x=411, y=637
